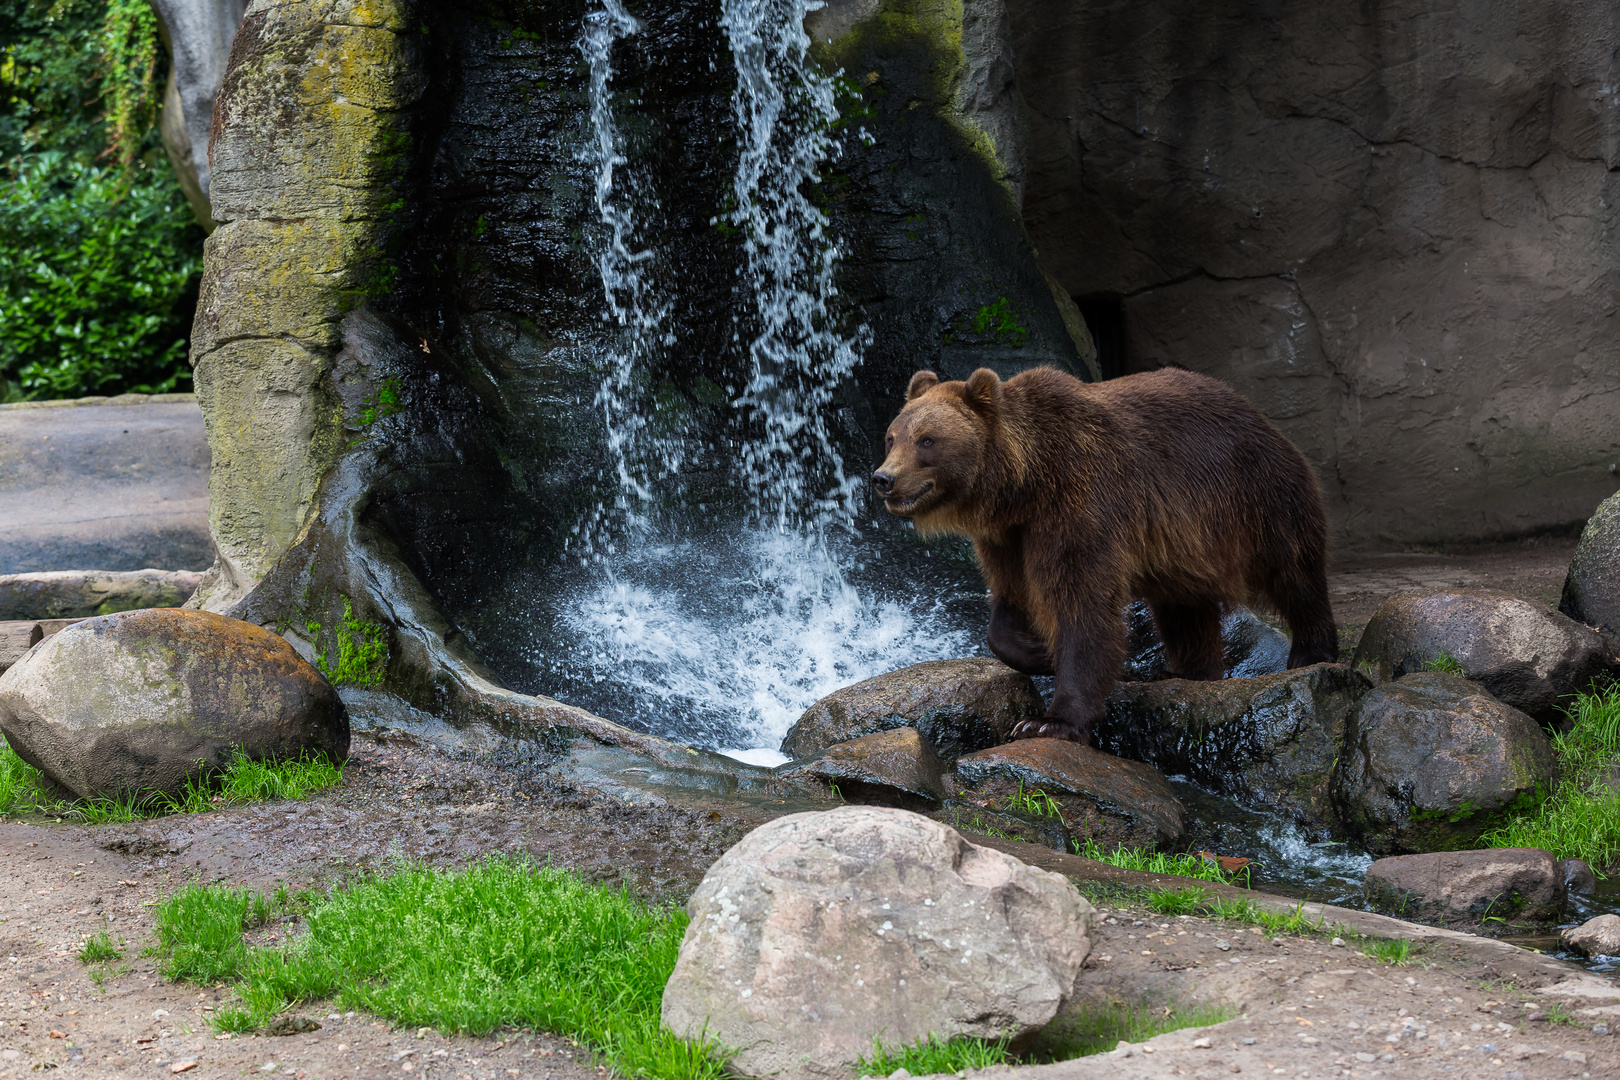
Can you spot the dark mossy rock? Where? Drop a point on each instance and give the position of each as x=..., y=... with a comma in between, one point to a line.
x=1097, y=796
x=1046, y=829
x=1251, y=647
x=1270, y=741
x=959, y=706
x=1431, y=762
x=1592, y=586
x=142, y=701
x=889, y=768
x=1513, y=884
x=1527, y=655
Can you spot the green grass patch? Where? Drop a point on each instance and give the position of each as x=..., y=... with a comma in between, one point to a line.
x=22, y=788
x=100, y=948
x=1396, y=951
x=1581, y=817
x=1446, y=664
x=501, y=943
x=1034, y=802
x=1195, y=900
x=934, y=1055
x=1156, y=862
x=1560, y=1014
x=1096, y=1027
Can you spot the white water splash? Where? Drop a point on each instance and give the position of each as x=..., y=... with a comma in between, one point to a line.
x=732, y=647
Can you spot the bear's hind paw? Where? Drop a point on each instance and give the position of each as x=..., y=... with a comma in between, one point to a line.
x=1048, y=727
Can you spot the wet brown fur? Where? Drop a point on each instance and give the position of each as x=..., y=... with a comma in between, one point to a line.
x=1167, y=486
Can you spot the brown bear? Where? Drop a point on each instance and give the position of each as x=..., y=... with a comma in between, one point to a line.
x=1167, y=486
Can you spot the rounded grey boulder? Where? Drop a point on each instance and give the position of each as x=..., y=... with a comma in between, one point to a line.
x=1527, y=655
x=1595, y=937
x=141, y=701
x=819, y=932
x=1431, y=761
x=1592, y=586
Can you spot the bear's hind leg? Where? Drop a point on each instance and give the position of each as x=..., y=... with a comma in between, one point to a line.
x=1191, y=633
x=1303, y=603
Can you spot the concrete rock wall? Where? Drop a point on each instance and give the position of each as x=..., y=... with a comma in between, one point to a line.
x=1393, y=226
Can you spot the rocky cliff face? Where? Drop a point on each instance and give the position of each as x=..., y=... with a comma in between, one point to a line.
x=1392, y=226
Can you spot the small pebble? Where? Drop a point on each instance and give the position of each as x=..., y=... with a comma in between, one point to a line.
x=1337, y=943
x=1201, y=1044
x=1223, y=945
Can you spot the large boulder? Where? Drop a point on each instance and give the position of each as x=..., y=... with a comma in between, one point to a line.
x=1250, y=647
x=1595, y=937
x=1270, y=740
x=80, y=594
x=1516, y=884
x=958, y=706
x=1098, y=796
x=820, y=932
x=1592, y=586
x=1529, y=656
x=141, y=701
x=1431, y=761
x=888, y=768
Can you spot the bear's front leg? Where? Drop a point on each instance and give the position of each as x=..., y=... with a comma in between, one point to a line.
x=1087, y=657
x=1014, y=641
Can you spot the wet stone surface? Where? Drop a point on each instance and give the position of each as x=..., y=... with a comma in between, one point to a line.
x=1518, y=885
x=1270, y=740
x=1431, y=761
x=889, y=768
x=1527, y=655
x=958, y=706
x=1109, y=799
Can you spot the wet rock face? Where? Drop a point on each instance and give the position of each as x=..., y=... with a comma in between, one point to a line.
x=142, y=700
x=1271, y=740
x=818, y=932
x=1578, y=877
x=958, y=706
x=16, y=638
x=1518, y=884
x=1592, y=587
x=1595, y=937
x=1431, y=761
x=1285, y=198
x=1097, y=796
x=888, y=768
x=1529, y=657
x=1251, y=647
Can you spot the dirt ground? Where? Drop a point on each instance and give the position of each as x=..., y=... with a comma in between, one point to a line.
x=1306, y=1008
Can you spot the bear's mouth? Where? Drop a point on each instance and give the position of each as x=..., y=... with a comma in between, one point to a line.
x=897, y=505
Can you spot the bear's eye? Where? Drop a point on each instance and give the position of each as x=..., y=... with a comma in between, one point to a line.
x=925, y=443
x=889, y=442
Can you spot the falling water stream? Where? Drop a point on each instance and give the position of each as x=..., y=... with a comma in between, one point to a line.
x=720, y=633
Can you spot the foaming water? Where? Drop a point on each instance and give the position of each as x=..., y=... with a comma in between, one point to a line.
x=1286, y=859
x=725, y=642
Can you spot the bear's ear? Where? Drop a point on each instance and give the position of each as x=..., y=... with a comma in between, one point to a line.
x=983, y=391
x=921, y=383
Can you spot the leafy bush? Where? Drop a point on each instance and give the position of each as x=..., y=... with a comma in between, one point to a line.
x=100, y=256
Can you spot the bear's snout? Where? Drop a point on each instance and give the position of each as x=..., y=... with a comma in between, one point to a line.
x=884, y=482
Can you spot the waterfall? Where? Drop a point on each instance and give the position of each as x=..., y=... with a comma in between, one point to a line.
x=722, y=632
x=635, y=312
x=785, y=109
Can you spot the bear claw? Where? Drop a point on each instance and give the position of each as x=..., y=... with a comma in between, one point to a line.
x=1048, y=728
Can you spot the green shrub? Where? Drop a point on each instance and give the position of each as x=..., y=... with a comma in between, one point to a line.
x=99, y=253
x=22, y=788
x=1155, y=862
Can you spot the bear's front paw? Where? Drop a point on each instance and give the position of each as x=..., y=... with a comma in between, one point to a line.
x=1051, y=727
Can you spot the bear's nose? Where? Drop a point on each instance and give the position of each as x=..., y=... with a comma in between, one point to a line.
x=883, y=482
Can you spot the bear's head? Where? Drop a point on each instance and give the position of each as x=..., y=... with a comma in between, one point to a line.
x=936, y=447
